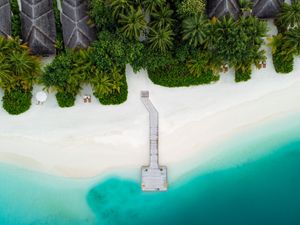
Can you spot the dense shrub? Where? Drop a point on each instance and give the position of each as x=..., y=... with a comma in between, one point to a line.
x=65, y=99
x=242, y=74
x=67, y=73
x=283, y=63
x=101, y=15
x=115, y=97
x=103, y=66
x=191, y=7
x=110, y=87
x=112, y=49
x=18, y=69
x=238, y=43
x=185, y=68
x=289, y=16
x=16, y=101
x=178, y=75
x=285, y=46
x=18, y=72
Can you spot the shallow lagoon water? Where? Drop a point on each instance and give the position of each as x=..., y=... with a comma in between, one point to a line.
x=244, y=190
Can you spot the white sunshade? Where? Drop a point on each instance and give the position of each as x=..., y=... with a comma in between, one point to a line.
x=41, y=96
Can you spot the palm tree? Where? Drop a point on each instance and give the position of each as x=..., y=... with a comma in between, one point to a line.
x=102, y=84
x=199, y=63
x=162, y=17
x=18, y=68
x=161, y=39
x=246, y=7
x=5, y=72
x=289, y=16
x=133, y=23
x=152, y=5
x=291, y=42
x=120, y=7
x=117, y=78
x=195, y=29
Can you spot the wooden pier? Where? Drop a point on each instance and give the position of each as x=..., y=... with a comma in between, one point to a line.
x=154, y=176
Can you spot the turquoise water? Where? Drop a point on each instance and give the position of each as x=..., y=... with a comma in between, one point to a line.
x=260, y=191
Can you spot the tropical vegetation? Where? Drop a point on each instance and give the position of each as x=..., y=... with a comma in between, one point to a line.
x=285, y=45
x=15, y=20
x=174, y=40
x=19, y=71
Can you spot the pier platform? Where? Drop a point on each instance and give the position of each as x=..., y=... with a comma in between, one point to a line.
x=154, y=176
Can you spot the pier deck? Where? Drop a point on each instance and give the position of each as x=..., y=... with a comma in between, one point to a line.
x=154, y=176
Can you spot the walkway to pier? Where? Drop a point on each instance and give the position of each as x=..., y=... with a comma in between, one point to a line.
x=154, y=177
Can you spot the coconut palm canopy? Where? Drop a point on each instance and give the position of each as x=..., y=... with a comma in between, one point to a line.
x=266, y=8
x=5, y=22
x=38, y=26
x=220, y=8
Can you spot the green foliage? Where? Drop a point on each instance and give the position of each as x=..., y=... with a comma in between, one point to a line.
x=239, y=42
x=133, y=23
x=178, y=75
x=110, y=87
x=152, y=59
x=243, y=74
x=101, y=14
x=283, y=63
x=196, y=29
x=16, y=101
x=191, y=7
x=284, y=47
x=65, y=99
x=59, y=44
x=116, y=97
x=102, y=84
x=18, y=69
x=100, y=66
x=120, y=7
x=161, y=38
x=113, y=49
x=199, y=63
x=15, y=20
x=153, y=5
x=185, y=67
x=289, y=16
x=291, y=41
x=162, y=18
x=68, y=71
x=246, y=5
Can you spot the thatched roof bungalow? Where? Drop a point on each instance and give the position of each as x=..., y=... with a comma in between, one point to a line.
x=38, y=26
x=5, y=15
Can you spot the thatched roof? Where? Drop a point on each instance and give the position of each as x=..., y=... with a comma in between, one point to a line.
x=220, y=8
x=38, y=26
x=76, y=30
x=5, y=15
x=266, y=8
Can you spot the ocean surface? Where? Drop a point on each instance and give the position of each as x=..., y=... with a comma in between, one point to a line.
x=262, y=188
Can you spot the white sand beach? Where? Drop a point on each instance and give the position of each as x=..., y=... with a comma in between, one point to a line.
x=90, y=139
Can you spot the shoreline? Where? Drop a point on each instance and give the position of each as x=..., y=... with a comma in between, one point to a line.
x=91, y=140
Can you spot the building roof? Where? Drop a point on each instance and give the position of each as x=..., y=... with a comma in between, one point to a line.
x=266, y=8
x=77, y=31
x=38, y=26
x=5, y=15
x=220, y=8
